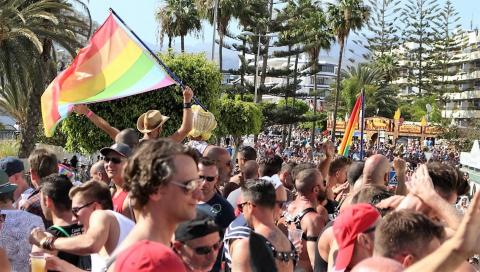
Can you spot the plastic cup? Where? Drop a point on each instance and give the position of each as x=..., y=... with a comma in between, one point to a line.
x=295, y=235
x=37, y=260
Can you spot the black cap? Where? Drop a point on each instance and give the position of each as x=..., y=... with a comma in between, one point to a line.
x=202, y=225
x=119, y=148
x=11, y=166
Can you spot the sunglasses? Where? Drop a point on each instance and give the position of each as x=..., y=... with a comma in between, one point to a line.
x=188, y=186
x=241, y=205
x=113, y=160
x=204, y=250
x=209, y=179
x=76, y=210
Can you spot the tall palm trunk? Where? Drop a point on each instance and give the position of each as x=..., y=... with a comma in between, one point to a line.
x=221, y=35
x=29, y=129
x=182, y=43
x=337, y=92
x=294, y=94
x=312, y=139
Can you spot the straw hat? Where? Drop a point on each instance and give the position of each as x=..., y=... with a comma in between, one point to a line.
x=203, y=123
x=150, y=120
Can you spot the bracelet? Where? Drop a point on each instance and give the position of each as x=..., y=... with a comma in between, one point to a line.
x=47, y=243
x=89, y=114
x=187, y=105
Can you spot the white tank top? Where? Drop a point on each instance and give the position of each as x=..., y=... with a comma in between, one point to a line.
x=126, y=225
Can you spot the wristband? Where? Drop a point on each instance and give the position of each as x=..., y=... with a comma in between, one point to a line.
x=89, y=113
x=187, y=105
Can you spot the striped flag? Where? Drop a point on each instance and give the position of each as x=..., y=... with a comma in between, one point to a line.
x=113, y=65
x=350, y=129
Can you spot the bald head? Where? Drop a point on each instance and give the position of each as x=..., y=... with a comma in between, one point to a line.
x=378, y=264
x=222, y=158
x=127, y=136
x=250, y=170
x=98, y=173
x=376, y=170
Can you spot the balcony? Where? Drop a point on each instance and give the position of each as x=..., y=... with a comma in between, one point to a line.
x=460, y=114
x=463, y=95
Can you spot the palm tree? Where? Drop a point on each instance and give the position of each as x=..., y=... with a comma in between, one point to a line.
x=313, y=27
x=178, y=18
x=344, y=16
x=29, y=33
x=226, y=10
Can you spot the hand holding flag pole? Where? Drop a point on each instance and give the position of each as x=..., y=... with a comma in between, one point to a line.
x=172, y=75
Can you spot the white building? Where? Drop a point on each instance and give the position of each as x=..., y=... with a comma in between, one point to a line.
x=461, y=106
x=325, y=77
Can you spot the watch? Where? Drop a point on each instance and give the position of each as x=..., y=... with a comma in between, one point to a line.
x=187, y=105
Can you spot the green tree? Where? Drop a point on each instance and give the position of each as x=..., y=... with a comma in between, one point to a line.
x=345, y=16
x=316, y=36
x=239, y=119
x=226, y=11
x=30, y=32
x=178, y=18
x=419, y=37
x=200, y=74
x=449, y=37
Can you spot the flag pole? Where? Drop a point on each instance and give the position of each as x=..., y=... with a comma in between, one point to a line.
x=172, y=75
x=362, y=124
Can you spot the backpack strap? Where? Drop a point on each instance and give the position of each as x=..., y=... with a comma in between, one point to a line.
x=60, y=229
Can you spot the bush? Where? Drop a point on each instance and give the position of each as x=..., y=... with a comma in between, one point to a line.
x=195, y=70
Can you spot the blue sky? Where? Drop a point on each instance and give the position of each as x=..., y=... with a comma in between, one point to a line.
x=140, y=16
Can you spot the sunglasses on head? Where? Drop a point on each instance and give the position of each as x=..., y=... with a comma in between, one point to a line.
x=209, y=179
x=204, y=250
x=113, y=160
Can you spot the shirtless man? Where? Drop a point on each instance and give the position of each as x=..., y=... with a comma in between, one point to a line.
x=301, y=214
x=258, y=208
x=104, y=229
x=150, y=123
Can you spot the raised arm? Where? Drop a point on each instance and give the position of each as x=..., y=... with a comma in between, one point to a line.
x=96, y=120
x=451, y=254
x=421, y=185
x=400, y=167
x=187, y=121
x=329, y=156
x=87, y=243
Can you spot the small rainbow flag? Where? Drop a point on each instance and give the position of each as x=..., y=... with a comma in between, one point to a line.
x=113, y=65
x=65, y=170
x=350, y=129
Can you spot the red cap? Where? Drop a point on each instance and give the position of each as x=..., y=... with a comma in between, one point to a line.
x=148, y=256
x=351, y=221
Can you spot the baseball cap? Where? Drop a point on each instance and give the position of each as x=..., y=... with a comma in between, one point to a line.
x=348, y=225
x=119, y=148
x=5, y=185
x=202, y=225
x=148, y=256
x=11, y=165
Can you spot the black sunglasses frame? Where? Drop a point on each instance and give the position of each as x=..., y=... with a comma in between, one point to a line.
x=113, y=160
x=205, y=250
x=76, y=210
x=207, y=178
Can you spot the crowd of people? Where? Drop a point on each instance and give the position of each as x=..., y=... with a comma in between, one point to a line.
x=177, y=204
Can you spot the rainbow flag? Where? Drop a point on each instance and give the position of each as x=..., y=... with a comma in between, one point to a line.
x=113, y=65
x=350, y=129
